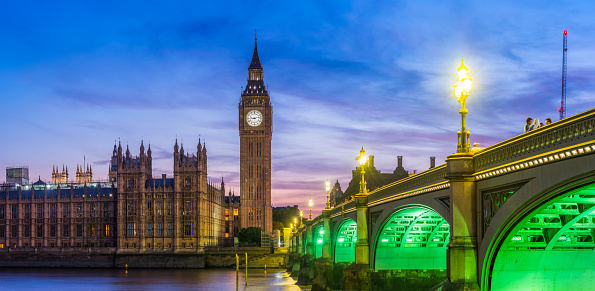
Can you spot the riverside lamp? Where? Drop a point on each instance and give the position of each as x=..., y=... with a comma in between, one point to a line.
x=328, y=188
x=362, y=160
x=310, y=203
x=301, y=215
x=462, y=90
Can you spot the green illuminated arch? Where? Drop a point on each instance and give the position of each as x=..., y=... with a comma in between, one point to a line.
x=412, y=238
x=552, y=247
x=345, y=242
x=318, y=241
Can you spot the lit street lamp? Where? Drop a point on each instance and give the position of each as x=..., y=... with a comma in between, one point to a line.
x=362, y=160
x=328, y=188
x=462, y=90
x=310, y=203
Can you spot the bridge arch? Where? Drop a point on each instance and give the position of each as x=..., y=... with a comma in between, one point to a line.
x=318, y=236
x=345, y=238
x=548, y=242
x=411, y=237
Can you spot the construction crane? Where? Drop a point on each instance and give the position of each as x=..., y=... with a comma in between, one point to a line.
x=562, y=107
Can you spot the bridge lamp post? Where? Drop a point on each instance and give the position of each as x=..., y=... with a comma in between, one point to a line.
x=301, y=215
x=310, y=203
x=328, y=188
x=462, y=90
x=362, y=160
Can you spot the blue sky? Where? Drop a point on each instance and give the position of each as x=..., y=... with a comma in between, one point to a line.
x=75, y=76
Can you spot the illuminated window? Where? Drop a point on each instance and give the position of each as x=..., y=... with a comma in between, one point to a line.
x=131, y=229
x=79, y=210
x=235, y=212
x=107, y=231
x=92, y=230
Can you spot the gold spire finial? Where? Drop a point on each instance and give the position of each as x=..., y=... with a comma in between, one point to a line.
x=255, y=34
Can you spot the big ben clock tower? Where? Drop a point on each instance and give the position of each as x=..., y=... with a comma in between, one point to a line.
x=256, y=130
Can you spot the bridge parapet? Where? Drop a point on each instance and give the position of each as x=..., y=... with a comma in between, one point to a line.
x=568, y=132
x=429, y=177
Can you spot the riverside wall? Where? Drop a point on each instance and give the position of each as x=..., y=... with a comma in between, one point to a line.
x=215, y=257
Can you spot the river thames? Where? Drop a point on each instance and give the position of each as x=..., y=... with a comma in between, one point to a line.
x=144, y=279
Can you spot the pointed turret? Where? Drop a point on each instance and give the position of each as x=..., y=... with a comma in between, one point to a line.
x=127, y=151
x=255, y=63
x=149, y=150
x=142, y=147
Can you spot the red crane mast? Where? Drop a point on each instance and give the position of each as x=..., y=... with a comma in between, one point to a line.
x=562, y=107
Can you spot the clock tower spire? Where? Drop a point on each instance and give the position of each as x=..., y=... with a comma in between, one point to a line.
x=256, y=130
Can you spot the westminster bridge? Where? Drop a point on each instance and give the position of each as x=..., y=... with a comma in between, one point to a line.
x=519, y=215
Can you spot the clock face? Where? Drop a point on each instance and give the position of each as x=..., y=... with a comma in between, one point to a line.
x=254, y=118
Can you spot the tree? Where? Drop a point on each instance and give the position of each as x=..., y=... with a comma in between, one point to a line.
x=250, y=235
x=278, y=225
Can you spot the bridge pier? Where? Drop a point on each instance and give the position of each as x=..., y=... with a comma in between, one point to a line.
x=357, y=275
x=323, y=267
x=462, y=249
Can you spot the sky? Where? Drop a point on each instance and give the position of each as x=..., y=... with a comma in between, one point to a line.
x=76, y=76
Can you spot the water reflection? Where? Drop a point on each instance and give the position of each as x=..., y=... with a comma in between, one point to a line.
x=143, y=279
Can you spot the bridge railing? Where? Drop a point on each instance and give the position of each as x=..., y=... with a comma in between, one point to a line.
x=568, y=132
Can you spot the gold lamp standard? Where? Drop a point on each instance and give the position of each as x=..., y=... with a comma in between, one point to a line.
x=462, y=90
x=362, y=161
x=310, y=203
x=328, y=188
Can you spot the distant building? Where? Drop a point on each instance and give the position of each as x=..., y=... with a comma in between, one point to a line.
x=17, y=175
x=133, y=212
x=232, y=218
x=374, y=179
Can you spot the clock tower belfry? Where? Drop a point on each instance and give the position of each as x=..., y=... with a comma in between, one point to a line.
x=256, y=130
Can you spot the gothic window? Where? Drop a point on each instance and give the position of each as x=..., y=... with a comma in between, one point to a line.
x=39, y=232
x=79, y=210
x=131, y=227
x=14, y=231
x=188, y=207
x=2, y=231
x=79, y=230
x=65, y=210
x=66, y=230
x=149, y=208
x=159, y=208
x=107, y=230
x=27, y=231
x=159, y=229
x=187, y=183
x=39, y=211
x=188, y=229
x=170, y=229
x=2, y=208
x=149, y=229
x=53, y=228
x=235, y=212
x=14, y=209
x=92, y=230
x=92, y=210
x=130, y=183
x=170, y=208
x=106, y=213
x=53, y=210
x=131, y=208
x=27, y=210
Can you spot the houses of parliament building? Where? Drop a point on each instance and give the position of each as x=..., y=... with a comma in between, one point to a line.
x=135, y=212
